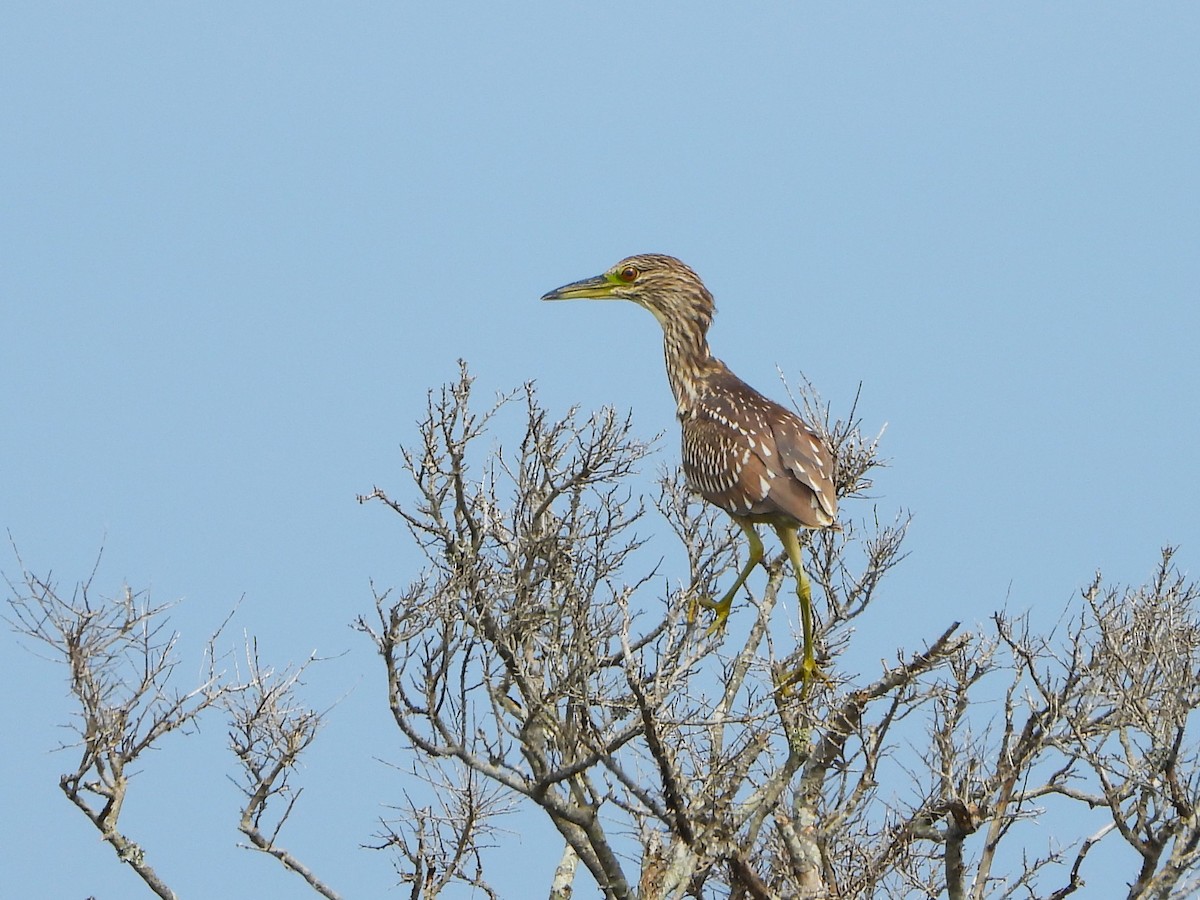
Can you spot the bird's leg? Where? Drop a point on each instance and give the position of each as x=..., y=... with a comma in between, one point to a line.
x=808, y=665
x=725, y=604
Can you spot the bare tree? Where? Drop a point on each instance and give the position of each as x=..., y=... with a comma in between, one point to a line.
x=269, y=729
x=544, y=659
x=530, y=654
x=121, y=658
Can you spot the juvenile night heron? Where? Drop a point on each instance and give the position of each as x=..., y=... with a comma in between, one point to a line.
x=743, y=453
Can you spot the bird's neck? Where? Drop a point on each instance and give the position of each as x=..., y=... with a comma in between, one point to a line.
x=689, y=364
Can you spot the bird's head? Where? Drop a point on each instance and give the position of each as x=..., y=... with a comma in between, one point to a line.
x=662, y=284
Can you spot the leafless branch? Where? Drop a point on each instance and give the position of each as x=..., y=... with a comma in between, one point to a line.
x=120, y=656
x=269, y=729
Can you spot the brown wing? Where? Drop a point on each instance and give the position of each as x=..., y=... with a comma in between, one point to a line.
x=808, y=460
x=718, y=457
x=753, y=458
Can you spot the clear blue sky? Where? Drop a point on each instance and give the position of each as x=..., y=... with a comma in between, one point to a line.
x=239, y=242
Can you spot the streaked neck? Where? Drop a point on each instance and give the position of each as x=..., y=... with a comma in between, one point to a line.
x=689, y=363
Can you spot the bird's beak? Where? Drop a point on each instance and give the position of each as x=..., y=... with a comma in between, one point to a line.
x=598, y=288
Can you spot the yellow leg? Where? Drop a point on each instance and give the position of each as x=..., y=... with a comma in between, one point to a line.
x=725, y=604
x=808, y=664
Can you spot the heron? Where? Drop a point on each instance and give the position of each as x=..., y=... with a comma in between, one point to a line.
x=745, y=454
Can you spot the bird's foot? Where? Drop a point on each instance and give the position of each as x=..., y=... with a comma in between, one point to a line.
x=721, y=607
x=803, y=675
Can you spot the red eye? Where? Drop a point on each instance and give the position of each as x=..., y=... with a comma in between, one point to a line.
x=629, y=274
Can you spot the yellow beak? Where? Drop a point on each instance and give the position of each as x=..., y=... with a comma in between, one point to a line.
x=598, y=288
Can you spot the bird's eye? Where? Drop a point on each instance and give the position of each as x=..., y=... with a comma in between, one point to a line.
x=629, y=274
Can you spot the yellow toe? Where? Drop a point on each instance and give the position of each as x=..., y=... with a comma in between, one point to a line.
x=721, y=607
x=804, y=674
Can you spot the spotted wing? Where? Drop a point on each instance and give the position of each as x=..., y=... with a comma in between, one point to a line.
x=808, y=461
x=719, y=459
x=753, y=458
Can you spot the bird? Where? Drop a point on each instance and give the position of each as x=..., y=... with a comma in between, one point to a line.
x=743, y=453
